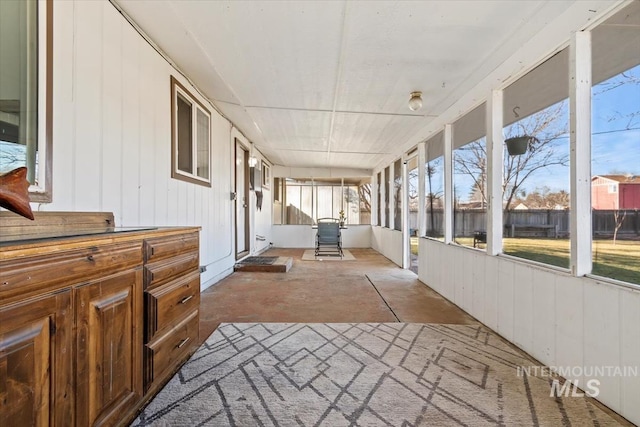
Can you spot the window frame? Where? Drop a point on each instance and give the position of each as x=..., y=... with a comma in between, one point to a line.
x=398, y=188
x=378, y=199
x=178, y=88
x=43, y=193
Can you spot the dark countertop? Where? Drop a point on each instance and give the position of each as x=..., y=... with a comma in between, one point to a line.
x=36, y=236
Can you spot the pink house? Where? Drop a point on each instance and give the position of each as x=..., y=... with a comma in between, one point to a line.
x=615, y=192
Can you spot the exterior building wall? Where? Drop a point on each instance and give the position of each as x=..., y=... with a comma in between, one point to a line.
x=629, y=196
x=112, y=137
x=601, y=195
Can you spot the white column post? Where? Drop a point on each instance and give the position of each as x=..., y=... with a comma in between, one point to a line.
x=382, y=198
x=374, y=199
x=390, y=180
x=422, y=155
x=448, y=183
x=494, y=171
x=580, y=155
x=404, y=194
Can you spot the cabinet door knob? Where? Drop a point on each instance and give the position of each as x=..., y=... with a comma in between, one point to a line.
x=183, y=342
x=185, y=299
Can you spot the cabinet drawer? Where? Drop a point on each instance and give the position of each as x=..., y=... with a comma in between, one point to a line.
x=23, y=277
x=160, y=272
x=167, y=351
x=169, y=303
x=166, y=247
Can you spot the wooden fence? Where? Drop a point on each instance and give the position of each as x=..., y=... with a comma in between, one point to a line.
x=467, y=221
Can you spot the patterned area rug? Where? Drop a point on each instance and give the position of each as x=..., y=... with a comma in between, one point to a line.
x=392, y=374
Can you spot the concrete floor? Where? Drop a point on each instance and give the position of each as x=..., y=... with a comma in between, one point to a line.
x=370, y=289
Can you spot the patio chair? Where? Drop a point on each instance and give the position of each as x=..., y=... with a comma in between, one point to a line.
x=328, y=237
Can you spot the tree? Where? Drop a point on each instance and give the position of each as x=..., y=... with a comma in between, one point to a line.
x=544, y=198
x=364, y=193
x=412, y=186
x=12, y=156
x=471, y=159
x=617, y=223
x=547, y=126
x=360, y=200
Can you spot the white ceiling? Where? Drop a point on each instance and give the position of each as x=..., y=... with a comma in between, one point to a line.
x=326, y=83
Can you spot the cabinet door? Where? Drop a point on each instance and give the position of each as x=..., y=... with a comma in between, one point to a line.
x=35, y=362
x=109, y=334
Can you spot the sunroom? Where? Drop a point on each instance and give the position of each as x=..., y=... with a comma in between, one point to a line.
x=246, y=122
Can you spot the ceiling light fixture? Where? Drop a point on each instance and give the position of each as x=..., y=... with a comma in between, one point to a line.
x=415, y=102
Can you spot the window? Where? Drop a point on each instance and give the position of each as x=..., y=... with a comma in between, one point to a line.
x=536, y=187
x=434, y=187
x=328, y=195
x=266, y=176
x=190, y=137
x=298, y=204
x=307, y=199
x=470, y=176
x=397, y=195
x=25, y=92
x=357, y=200
x=386, y=197
x=278, y=200
x=412, y=193
x=379, y=200
x=615, y=147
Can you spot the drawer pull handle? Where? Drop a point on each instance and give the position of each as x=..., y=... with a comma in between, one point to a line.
x=183, y=342
x=185, y=299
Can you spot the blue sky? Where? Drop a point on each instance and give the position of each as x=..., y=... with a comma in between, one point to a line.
x=615, y=136
x=614, y=150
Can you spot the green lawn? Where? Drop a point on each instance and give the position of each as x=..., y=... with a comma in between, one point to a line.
x=414, y=245
x=620, y=261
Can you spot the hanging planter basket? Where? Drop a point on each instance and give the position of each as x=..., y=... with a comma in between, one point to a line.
x=518, y=145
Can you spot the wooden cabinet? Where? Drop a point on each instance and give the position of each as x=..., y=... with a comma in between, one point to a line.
x=172, y=300
x=109, y=355
x=36, y=362
x=87, y=324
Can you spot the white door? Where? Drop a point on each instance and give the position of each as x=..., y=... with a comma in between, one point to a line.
x=242, y=200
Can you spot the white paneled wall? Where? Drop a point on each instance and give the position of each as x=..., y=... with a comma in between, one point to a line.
x=112, y=136
x=388, y=242
x=559, y=319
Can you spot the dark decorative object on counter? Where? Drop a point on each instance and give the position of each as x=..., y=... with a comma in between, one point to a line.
x=14, y=192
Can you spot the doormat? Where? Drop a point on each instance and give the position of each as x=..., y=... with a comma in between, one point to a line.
x=310, y=255
x=259, y=260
